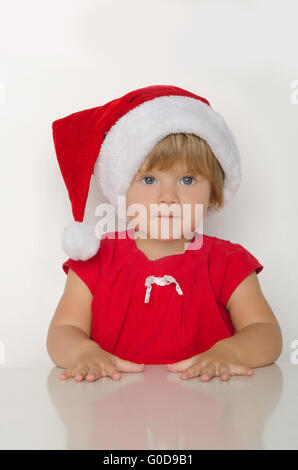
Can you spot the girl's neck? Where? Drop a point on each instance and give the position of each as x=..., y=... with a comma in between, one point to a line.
x=155, y=249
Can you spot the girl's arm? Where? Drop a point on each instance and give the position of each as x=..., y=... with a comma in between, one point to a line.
x=70, y=328
x=258, y=339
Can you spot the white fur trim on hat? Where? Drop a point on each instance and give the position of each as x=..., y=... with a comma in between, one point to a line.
x=79, y=240
x=135, y=134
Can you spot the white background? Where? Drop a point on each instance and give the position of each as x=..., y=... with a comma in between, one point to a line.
x=59, y=57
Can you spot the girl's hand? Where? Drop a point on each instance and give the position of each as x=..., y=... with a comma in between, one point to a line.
x=93, y=365
x=216, y=361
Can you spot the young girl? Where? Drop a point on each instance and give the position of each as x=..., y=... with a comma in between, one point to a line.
x=194, y=302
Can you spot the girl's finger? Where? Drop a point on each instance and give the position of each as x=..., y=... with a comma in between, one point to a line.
x=66, y=374
x=94, y=373
x=191, y=371
x=224, y=371
x=208, y=372
x=80, y=372
x=128, y=366
x=112, y=371
x=181, y=366
x=240, y=369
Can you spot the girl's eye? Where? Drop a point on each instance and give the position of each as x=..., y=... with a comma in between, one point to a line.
x=148, y=179
x=188, y=180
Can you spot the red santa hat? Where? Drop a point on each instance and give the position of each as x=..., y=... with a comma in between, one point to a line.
x=112, y=141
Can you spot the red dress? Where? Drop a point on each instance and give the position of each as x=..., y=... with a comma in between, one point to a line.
x=170, y=318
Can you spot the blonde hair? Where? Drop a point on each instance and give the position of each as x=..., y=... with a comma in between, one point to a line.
x=197, y=156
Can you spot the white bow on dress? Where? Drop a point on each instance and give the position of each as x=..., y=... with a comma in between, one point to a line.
x=160, y=281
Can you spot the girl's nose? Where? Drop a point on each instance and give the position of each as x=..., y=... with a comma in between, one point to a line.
x=168, y=196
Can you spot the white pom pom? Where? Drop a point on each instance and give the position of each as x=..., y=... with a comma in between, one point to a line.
x=79, y=241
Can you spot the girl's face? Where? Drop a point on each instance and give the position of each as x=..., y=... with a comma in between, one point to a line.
x=165, y=187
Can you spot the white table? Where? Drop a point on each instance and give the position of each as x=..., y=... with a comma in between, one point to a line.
x=150, y=410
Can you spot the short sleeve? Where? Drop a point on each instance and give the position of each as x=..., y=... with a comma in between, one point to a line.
x=87, y=270
x=238, y=263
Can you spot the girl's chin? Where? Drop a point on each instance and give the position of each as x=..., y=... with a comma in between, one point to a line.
x=166, y=235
